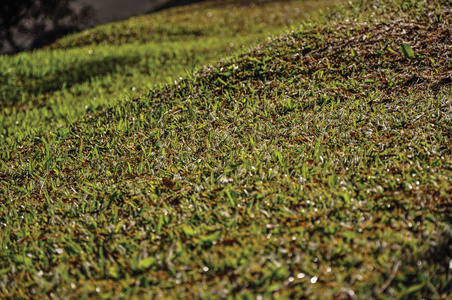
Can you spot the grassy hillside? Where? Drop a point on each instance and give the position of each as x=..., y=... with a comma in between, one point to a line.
x=316, y=165
x=47, y=89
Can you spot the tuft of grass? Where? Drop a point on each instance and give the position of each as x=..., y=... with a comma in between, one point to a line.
x=315, y=165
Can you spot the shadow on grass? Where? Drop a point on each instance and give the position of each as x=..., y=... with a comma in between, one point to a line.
x=27, y=87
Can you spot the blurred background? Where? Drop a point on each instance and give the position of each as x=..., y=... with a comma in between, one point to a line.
x=31, y=24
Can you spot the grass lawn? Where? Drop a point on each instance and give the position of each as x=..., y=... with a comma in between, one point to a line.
x=316, y=164
x=47, y=89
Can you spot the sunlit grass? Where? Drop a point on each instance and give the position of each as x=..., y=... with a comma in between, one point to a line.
x=315, y=165
x=50, y=88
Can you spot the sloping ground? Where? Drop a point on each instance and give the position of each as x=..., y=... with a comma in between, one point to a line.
x=207, y=19
x=318, y=165
x=43, y=90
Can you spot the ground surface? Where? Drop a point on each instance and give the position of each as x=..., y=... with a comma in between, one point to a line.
x=316, y=165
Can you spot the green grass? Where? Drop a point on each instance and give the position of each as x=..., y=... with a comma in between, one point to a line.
x=315, y=165
x=50, y=88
